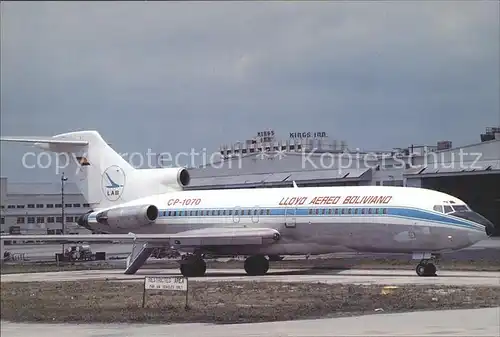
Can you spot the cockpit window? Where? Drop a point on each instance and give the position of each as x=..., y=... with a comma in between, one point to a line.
x=448, y=209
x=451, y=208
x=438, y=208
x=460, y=208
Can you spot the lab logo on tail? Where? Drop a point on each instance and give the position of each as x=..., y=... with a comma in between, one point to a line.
x=113, y=182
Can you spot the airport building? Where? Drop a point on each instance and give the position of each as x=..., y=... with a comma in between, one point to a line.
x=471, y=173
x=28, y=208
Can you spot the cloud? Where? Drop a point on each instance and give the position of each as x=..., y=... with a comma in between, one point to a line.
x=184, y=74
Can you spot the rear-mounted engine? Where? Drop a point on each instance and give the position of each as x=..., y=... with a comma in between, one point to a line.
x=122, y=217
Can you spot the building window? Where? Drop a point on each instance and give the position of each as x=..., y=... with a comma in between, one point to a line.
x=31, y=219
x=39, y=205
x=39, y=219
x=50, y=219
x=50, y=205
x=31, y=205
x=11, y=206
x=86, y=205
x=58, y=205
x=69, y=219
x=20, y=206
x=76, y=205
x=20, y=219
x=59, y=219
x=68, y=205
x=377, y=183
x=2, y=221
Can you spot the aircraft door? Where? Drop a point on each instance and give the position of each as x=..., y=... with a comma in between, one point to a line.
x=290, y=217
x=255, y=214
x=236, y=214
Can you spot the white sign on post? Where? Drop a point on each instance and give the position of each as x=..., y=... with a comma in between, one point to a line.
x=166, y=283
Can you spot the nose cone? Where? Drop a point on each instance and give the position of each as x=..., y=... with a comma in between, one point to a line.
x=489, y=228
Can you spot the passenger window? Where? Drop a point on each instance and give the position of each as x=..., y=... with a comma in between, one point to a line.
x=261, y=212
x=268, y=212
x=173, y=213
x=336, y=211
x=230, y=212
x=310, y=211
x=196, y=213
x=448, y=209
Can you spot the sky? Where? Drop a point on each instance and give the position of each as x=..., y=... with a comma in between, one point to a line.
x=176, y=76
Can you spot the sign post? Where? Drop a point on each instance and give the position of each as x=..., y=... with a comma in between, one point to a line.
x=176, y=283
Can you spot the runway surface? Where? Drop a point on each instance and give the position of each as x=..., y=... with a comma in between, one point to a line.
x=477, y=322
x=352, y=276
x=482, y=249
x=49, y=250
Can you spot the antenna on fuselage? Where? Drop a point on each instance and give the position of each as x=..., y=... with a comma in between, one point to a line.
x=294, y=184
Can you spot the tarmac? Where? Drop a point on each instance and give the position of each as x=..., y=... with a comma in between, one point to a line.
x=475, y=322
x=34, y=252
x=350, y=276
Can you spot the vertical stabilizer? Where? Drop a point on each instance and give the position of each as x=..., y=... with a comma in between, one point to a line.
x=102, y=175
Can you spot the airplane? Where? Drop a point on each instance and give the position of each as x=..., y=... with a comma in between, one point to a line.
x=151, y=208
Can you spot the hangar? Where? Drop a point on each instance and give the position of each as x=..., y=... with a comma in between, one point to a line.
x=471, y=173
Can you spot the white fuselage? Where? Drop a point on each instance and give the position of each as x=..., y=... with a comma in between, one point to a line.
x=318, y=220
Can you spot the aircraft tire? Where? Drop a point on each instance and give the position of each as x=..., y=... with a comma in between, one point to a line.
x=195, y=268
x=426, y=269
x=256, y=265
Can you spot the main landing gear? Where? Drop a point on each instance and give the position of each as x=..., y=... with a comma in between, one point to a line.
x=426, y=268
x=195, y=266
x=256, y=265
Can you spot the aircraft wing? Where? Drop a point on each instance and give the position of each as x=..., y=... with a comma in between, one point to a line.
x=221, y=236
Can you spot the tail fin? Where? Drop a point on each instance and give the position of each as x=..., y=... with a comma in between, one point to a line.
x=102, y=175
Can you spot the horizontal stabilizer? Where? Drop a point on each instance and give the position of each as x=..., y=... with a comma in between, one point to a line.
x=44, y=140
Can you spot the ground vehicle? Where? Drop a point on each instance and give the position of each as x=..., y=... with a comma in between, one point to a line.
x=79, y=252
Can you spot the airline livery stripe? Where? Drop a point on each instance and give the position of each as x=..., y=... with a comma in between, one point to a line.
x=409, y=213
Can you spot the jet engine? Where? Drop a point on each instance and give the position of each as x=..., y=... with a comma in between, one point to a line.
x=175, y=177
x=178, y=176
x=120, y=217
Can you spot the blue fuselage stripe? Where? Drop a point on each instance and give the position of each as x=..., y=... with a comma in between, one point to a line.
x=399, y=212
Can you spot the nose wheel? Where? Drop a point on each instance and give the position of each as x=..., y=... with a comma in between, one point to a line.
x=426, y=268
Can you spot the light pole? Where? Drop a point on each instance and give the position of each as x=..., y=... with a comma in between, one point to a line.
x=63, y=179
